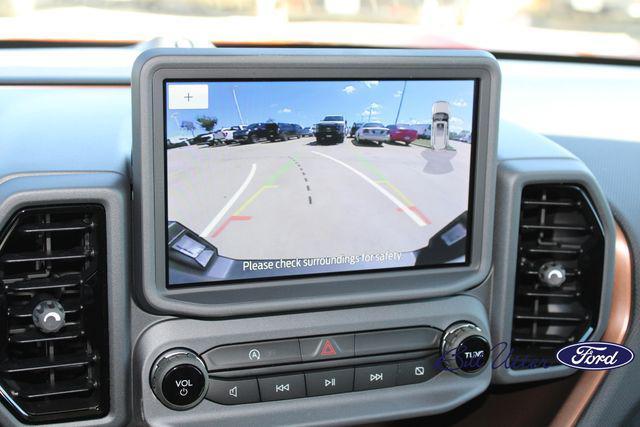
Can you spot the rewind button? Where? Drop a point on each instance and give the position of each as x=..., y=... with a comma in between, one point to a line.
x=282, y=387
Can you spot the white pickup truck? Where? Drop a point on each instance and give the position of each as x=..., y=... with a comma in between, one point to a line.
x=331, y=128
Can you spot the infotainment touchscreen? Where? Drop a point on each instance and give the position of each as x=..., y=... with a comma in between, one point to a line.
x=275, y=179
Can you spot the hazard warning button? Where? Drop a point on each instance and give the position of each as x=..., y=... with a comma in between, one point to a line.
x=327, y=347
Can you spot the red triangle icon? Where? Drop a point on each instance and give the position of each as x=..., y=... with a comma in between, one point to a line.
x=327, y=349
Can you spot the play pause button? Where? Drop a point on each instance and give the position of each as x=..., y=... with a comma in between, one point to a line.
x=329, y=382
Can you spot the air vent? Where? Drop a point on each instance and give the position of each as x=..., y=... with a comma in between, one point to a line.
x=559, y=276
x=53, y=314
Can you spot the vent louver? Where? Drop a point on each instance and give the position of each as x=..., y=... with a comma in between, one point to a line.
x=53, y=358
x=559, y=275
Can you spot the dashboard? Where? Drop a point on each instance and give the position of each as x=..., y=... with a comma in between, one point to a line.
x=212, y=236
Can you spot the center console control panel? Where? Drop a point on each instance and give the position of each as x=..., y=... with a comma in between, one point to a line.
x=315, y=366
x=411, y=359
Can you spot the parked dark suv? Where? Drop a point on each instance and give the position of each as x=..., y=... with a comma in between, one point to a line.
x=267, y=132
x=284, y=131
x=256, y=132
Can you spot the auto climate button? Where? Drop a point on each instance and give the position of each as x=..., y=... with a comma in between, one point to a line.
x=253, y=354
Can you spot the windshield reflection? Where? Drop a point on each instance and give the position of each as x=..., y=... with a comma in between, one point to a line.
x=606, y=28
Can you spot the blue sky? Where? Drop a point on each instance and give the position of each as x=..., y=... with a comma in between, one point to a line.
x=307, y=102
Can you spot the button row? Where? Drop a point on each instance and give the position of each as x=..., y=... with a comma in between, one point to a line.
x=319, y=383
x=266, y=353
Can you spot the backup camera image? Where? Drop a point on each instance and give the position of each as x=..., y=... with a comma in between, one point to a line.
x=269, y=179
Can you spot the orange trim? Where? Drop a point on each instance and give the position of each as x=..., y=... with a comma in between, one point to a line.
x=617, y=327
x=219, y=43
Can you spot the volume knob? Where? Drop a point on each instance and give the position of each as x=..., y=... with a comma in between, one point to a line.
x=465, y=350
x=179, y=379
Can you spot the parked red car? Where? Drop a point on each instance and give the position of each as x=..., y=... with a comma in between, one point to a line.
x=400, y=133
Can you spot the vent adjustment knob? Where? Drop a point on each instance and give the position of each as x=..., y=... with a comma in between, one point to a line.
x=465, y=350
x=552, y=274
x=179, y=379
x=48, y=316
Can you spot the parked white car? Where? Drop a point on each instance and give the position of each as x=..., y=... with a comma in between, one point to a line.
x=373, y=132
x=214, y=137
x=230, y=131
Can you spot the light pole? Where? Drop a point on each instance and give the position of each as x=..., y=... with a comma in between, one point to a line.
x=401, y=99
x=235, y=98
x=175, y=116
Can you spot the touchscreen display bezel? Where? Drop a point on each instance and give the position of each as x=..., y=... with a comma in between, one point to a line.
x=470, y=199
x=156, y=66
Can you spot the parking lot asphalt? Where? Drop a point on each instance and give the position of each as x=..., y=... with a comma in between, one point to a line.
x=299, y=199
